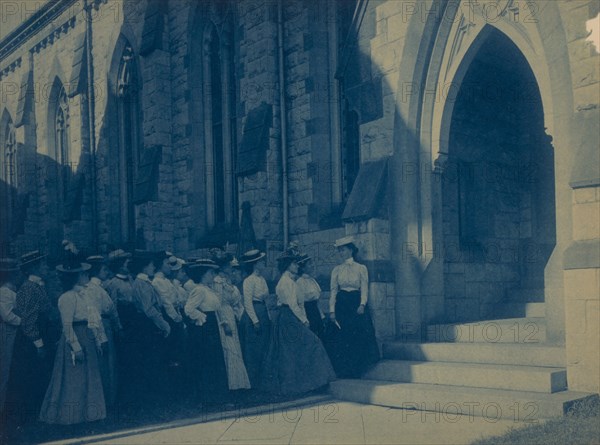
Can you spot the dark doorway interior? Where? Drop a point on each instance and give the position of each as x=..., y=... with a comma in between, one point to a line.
x=498, y=190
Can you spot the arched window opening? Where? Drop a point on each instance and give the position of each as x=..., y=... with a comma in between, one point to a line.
x=128, y=110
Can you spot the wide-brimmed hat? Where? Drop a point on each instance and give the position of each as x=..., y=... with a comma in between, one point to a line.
x=95, y=260
x=288, y=255
x=252, y=256
x=8, y=265
x=203, y=263
x=303, y=259
x=32, y=257
x=71, y=262
x=175, y=263
x=344, y=241
x=118, y=254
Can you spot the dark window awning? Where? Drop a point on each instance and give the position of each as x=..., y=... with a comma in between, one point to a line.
x=252, y=154
x=368, y=198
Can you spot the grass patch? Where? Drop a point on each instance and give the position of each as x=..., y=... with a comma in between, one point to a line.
x=581, y=426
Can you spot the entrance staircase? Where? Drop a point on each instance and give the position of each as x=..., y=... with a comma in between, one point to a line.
x=493, y=369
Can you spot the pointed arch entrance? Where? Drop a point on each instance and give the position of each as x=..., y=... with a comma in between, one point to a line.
x=498, y=211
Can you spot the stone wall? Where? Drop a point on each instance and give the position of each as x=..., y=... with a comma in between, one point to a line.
x=582, y=257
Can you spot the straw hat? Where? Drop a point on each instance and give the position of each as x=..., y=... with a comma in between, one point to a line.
x=252, y=256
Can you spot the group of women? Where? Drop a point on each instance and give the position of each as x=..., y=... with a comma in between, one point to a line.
x=162, y=325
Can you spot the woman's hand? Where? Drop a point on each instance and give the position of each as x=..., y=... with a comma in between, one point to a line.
x=257, y=328
x=332, y=317
x=79, y=357
x=361, y=309
x=227, y=330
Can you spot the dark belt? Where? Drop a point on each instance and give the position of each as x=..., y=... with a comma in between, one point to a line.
x=258, y=302
x=80, y=323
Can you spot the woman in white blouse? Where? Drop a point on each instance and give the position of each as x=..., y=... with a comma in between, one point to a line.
x=75, y=393
x=296, y=360
x=255, y=326
x=356, y=348
x=205, y=350
x=309, y=293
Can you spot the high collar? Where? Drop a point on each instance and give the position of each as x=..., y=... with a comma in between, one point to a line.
x=349, y=261
x=96, y=281
x=37, y=280
x=159, y=274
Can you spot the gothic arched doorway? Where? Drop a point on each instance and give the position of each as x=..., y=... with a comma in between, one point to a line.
x=498, y=186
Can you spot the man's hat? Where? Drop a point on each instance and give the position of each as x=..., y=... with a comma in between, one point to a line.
x=252, y=256
x=8, y=265
x=32, y=257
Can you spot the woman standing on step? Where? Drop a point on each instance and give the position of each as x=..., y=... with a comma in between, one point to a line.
x=356, y=347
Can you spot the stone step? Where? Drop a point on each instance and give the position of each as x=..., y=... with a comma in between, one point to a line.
x=515, y=310
x=493, y=353
x=449, y=401
x=530, y=330
x=511, y=377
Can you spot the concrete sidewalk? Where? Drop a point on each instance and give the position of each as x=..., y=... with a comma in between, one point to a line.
x=325, y=422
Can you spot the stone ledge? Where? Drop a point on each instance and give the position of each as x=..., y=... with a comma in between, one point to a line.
x=582, y=255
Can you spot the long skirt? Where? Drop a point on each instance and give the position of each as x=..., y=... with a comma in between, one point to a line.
x=28, y=379
x=207, y=361
x=237, y=375
x=8, y=333
x=149, y=369
x=296, y=360
x=355, y=347
x=127, y=348
x=108, y=365
x=75, y=393
x=255, y=344
x=314, y=317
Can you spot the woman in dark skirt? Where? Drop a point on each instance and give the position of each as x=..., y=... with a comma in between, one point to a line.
x=309, y=293
x=355, y=348
x=296, y=360
x=206, y=353
x=75, y=393
x=255, y=326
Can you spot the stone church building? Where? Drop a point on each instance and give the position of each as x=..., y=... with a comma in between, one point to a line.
x=456, y=140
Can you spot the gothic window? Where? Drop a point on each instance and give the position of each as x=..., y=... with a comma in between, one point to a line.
x=220, y=107
x=9, y=161
x=129, y=112
x=62, y=124
x=348, y=76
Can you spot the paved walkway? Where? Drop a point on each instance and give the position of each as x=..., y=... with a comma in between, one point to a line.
x=325, y=422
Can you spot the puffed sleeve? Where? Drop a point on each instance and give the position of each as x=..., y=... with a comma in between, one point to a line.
x=248, y=305
x=333, y=289
x=191, y=307
x=66, y=305
x=364, y=284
